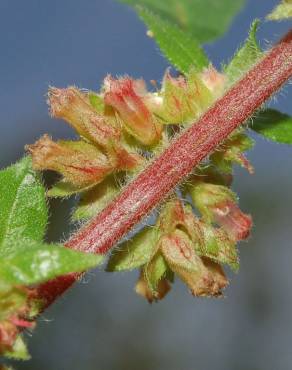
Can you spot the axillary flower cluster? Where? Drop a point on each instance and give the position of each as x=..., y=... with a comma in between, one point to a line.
x=121, y=129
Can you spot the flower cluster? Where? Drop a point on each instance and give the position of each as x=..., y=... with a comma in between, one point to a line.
x=121, y=128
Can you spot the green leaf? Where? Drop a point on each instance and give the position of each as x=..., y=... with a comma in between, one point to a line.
x=63, y=189
x=96, y=102
x=36, y=263
x=245, y=57
x=204, y=19
x=19, y=351
x=23, y=209
x=135, y=252
x=93, y=201
x=282, y=11
x=218, y=247
x=155, y=270
x=180, y=48
x=273, y=125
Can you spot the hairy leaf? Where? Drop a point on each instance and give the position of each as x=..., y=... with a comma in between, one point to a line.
x=273, y=125
x=135, y=252
x=155, y=270
x=23, y=209
x=204, y=19
x=180, y=48
x=245, y=57
x=40, y=262
x=63, y=189
x=218, y=247
x=282, y=11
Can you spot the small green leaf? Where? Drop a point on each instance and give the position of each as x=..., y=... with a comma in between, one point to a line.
x=273, y=125
x=63, y=189
x=245, y=57
x=19, y=351
x=135, y=252
x=204, y=19
x=282, y=11
x=218, y=247
x=23, y=209
x=96, y=102
x=93, y=201
x=155, y=270
x=35, y=263
x=181, y=49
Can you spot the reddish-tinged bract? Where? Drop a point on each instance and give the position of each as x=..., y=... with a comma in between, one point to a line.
x=73, y=106
x=126, y=97
x=80, y=163
x=203, y=277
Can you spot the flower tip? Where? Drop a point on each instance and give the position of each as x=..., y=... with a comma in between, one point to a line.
x=128, y=97
x=41, y=150
x=59, y=100
x=236, y=223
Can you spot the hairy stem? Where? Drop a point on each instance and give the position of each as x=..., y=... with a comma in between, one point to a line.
x=179, y=159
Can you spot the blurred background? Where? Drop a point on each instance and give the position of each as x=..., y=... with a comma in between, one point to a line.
x=102, y=324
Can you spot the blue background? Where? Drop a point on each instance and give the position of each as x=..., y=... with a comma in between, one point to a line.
x=101, y=324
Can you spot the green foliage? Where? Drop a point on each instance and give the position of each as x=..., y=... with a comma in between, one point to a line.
x=96, y=102
x=273, y=125
x=205, y=20
x=35, y=263
x=19, y=350
x=24, y=259
x=62, y=189
x=23, y=209
x=282, y=11
x=155, y=270
x=135, y=252
x=218, y=247
x=180, y=48
x=245, y=57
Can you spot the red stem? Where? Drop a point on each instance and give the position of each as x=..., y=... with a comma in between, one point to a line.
x=179, y=159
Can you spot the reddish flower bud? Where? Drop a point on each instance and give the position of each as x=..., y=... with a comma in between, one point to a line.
x=80, y=163
x=203, y=277
x=218, y=204
x=126, y=96
x=236, y=223
x=73, y=106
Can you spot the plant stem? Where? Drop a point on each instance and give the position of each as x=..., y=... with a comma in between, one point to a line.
x=179, y=159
